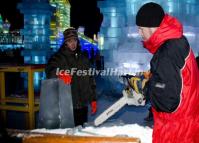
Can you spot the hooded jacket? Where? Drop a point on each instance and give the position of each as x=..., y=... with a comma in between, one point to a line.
x=173, y=86
x=82, y=87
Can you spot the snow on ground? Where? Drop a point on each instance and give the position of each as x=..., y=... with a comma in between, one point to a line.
x=128, y=121
x=130, y=130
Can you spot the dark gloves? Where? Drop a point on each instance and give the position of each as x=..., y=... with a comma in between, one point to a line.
x=93, y=107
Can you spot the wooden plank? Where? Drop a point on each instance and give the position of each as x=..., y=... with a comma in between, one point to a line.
x=31, y=100
x=2, y=96
x=14, y=108
x=41, y=138
x=18, y=100
x=14, y=69
x=2, y=85
x=36, y=68
x=36, y=137
x=14, y=100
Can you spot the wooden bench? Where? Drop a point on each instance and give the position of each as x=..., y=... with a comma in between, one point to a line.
x=41, y=138
x=36, y=137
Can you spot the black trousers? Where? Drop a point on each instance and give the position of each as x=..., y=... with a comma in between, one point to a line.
x=80, y=116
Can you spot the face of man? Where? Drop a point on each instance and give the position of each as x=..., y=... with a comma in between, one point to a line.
x=71, y=43
x=146, y=32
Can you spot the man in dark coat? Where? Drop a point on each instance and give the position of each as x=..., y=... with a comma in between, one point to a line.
x=173, y=87
x=70, y=58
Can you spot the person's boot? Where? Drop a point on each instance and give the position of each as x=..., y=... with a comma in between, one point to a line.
x=149, y=117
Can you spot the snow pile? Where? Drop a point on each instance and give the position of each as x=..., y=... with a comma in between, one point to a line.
x=130, y=130
x=51, y=131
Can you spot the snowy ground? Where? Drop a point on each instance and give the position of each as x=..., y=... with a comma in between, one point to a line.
x=109, y=92
x=127, y=114
x=129, y=121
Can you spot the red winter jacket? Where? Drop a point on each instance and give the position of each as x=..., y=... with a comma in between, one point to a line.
x=174, y=85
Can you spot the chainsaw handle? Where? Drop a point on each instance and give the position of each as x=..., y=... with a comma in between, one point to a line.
x=127, y=76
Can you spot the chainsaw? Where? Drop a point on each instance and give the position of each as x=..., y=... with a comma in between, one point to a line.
x=132, y=95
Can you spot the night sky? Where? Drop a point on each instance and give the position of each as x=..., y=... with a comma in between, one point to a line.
x=83, y=13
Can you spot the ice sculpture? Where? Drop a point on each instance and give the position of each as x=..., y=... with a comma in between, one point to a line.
x=37, y=14
x=59, y=22
x=121, y=43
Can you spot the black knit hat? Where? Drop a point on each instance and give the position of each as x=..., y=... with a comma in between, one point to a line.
x=150, y=15
x=70, y=32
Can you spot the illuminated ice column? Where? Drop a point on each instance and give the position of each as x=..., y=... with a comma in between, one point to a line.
x=132, y=6
x=113, y=22
x=120, y=35
x=37, y=15
x=133, y=44
x=190, y=16
x=60, y=21
x=187, y=11
x=6, y=26
x=121, y=43
x=1, y=24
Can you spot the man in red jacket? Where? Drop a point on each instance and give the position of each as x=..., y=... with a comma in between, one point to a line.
x=173, y=87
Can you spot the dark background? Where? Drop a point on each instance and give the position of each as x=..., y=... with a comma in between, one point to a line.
x=83, y=13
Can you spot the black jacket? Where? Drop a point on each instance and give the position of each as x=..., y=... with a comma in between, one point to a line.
x=166, y=82
x=82, y=87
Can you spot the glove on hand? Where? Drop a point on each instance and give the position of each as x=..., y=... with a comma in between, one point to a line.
x=93, y=107
x=65, y=77
x=136, y=83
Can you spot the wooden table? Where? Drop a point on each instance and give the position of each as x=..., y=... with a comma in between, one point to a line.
x=28, y=105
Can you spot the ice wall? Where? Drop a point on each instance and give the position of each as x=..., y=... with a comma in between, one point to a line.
x=122, y=47
x=37, y=16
